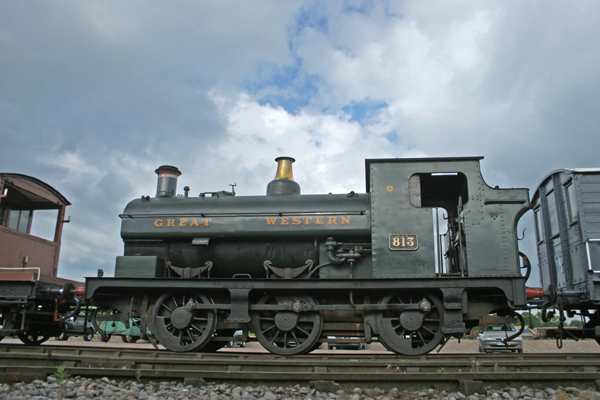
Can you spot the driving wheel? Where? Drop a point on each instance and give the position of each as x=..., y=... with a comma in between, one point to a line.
x=179, y=326
x=414, y=331
x=294, y=330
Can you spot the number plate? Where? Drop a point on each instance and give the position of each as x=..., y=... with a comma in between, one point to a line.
x=499, y=344
x=404, y=241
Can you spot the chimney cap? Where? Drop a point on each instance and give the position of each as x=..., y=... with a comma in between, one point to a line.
x=284, y=183
x=168, y=169
x=292, y=159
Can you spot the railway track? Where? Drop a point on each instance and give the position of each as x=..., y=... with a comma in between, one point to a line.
x=466, y=372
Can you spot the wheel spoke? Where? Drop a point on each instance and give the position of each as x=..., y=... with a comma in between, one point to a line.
x=197, y=328
x=167, y=307
x=268, y=329
x=428, y=330
x=295, y=338
x=276, y=336
x=303, y=331
x=421, y=337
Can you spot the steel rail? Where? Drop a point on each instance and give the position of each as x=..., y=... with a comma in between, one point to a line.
x=450, y=371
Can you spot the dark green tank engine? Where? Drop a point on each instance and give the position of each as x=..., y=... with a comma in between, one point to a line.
x=429, y=251
x=388, y=232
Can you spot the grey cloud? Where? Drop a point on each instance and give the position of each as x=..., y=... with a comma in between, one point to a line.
x=95, y=95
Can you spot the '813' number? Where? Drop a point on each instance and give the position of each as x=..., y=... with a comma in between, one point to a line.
x=404, y=241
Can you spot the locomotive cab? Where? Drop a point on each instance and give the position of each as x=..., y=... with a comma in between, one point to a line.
x=477, y=215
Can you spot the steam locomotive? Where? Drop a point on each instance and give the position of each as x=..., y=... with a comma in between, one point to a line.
x=427, y=253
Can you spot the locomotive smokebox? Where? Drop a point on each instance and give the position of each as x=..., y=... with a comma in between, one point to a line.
x=283, y=183
x=167, y=180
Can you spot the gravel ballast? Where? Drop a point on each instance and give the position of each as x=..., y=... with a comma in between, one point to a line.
x=81, y=388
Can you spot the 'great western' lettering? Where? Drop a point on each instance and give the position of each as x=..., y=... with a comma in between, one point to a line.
x=270, y=221
x=181, y=222
x=296, y=221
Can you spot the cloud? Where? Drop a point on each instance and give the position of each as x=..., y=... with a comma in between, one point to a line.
x=329, y=148
x=96, y=95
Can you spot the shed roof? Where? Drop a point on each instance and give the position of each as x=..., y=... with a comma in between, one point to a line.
x=38, y=193
x=563, y=170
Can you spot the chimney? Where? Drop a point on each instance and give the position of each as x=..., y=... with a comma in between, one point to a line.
x=284, y=183
x=167, y=181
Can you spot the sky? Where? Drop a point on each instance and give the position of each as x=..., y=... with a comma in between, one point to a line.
x=95, y=95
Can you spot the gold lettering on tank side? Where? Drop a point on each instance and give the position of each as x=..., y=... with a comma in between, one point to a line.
x=271, y=221
x=297, y=221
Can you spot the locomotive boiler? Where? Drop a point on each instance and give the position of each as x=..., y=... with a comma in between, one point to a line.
x=428, y=252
